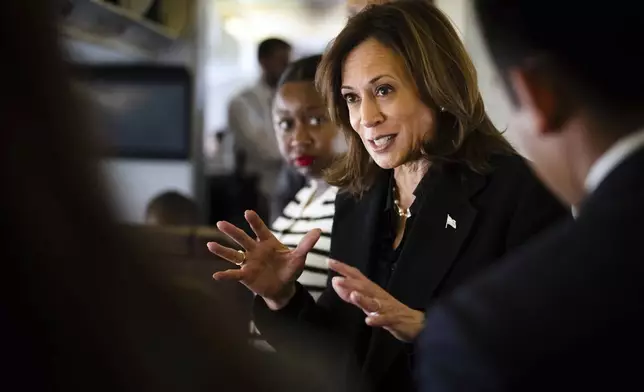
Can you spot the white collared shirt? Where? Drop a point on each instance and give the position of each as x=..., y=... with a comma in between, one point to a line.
x=616, y=154
x=613, y=157
x=251, y=122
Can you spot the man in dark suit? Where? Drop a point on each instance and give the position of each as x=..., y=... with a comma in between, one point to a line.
x=567, y=311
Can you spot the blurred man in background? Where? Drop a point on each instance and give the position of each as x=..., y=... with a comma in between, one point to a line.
x=565, y=312
x=250, y=121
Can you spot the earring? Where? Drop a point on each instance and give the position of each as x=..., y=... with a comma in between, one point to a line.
x=442, y=108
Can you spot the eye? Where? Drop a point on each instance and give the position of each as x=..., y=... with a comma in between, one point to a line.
x=384, y=90
x=350, y=98
x=316, y=121
x=285, y=125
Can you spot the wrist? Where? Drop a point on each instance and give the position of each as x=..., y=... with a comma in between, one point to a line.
x=419, y=325
x=280, y=301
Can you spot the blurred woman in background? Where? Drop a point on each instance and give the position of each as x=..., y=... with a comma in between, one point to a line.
x=309, y=142
x=431, y=194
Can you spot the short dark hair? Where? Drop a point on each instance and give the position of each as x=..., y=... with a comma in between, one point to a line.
x=271, y=45
x=435, y=59
x=599, y=47
x=173, y=209
x=302, y=70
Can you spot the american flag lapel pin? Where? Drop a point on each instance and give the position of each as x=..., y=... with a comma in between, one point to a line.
x=450, y=222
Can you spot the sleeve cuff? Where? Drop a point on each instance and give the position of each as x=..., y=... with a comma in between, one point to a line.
x=264, y=316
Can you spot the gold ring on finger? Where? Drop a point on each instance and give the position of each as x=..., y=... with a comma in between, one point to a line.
x=378, y=304
x=243, y=260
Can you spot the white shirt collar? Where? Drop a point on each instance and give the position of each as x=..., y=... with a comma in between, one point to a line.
x=606, y=163
x=615, y=155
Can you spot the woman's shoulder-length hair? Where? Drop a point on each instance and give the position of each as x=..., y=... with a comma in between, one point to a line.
x=434, y=57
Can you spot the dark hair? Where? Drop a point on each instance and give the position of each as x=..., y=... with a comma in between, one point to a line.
x=302, y=70
x=271, y=45
x=173, y=209
x=597, y=47
x=434, y=57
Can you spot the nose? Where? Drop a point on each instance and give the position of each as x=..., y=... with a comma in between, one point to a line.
x=301, y=136
x=370, y=114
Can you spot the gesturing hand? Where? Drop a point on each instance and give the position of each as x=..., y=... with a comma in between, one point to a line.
x=267, y=267
x=381, y=308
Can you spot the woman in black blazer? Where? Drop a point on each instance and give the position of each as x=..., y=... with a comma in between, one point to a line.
x=432, y=195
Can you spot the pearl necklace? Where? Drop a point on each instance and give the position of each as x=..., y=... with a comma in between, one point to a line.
x=402, y=212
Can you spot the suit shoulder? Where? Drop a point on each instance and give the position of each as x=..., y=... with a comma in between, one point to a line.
x=344, y=200
x=512, y=171
x=512, y=165
x=512, y=176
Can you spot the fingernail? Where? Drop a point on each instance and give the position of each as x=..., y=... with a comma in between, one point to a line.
x=330, y=261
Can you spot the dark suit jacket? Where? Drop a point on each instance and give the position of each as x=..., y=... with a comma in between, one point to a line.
x=494, y=213
x=564, y=313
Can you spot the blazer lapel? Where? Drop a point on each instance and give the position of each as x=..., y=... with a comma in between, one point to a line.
x=439, y=231
x=355, y=224
x=442, y=225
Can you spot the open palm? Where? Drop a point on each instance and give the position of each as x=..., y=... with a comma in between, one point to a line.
x=269, y=267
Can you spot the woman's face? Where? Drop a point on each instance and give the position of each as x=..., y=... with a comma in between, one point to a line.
x=384, y=106
x=306, y=137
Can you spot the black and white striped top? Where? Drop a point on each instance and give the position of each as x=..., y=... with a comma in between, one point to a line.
x=301, y=215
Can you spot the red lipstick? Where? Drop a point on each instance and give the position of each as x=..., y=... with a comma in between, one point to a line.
x=304, y=161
